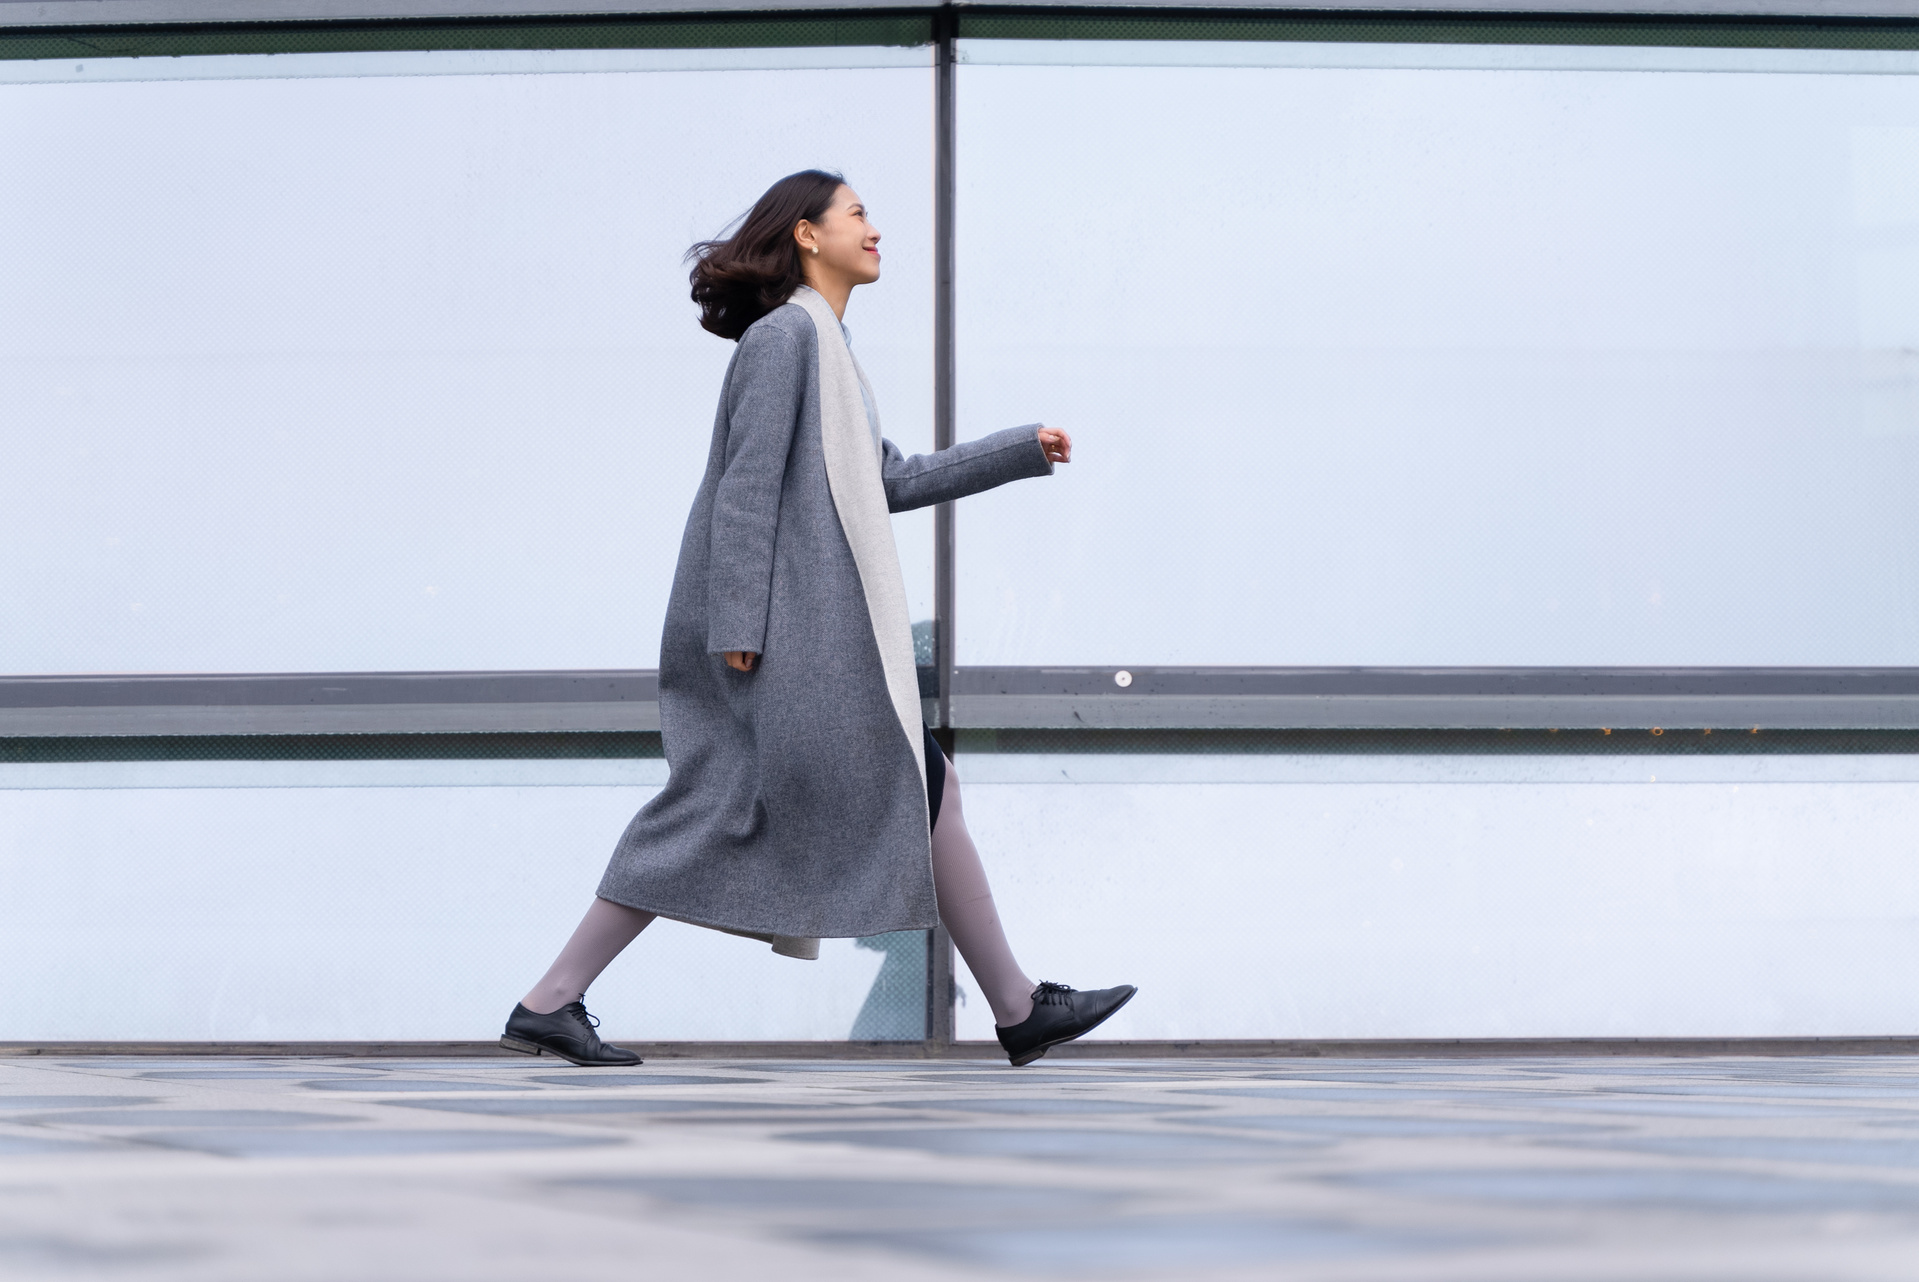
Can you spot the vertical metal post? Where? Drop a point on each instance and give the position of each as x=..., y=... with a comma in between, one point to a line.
x=945, y=33
x=939, y=989
x=939, y=945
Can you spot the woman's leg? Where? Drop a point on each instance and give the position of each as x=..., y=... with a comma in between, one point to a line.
x=966, y=906
x=606, y=929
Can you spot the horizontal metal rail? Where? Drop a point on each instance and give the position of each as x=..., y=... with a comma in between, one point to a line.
x=1010, y=698
x=1435, y=698
x=331, y=703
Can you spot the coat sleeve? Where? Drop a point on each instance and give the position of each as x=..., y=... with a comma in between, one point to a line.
x=964, y=469
x=763, y=406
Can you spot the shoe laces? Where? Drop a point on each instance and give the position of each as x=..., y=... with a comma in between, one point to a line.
x=593, y=1021
x=1050, y=994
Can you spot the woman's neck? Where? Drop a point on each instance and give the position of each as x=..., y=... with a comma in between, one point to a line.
x=835, y=292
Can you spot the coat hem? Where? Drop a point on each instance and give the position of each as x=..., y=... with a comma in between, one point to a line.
x=752, y=931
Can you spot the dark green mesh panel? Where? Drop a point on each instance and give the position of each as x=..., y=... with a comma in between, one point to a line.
x=906, y=28
x=1630, y=743
x=328, y=747
x=700, y=31
x=1440, y=29
x=399, y=747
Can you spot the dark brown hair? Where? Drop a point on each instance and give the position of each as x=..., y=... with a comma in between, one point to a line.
x=743, y=277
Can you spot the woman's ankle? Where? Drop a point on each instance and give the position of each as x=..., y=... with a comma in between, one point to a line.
x=1012, y=1009
x=544, y=1001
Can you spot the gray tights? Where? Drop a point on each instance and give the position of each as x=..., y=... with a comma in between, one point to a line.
x=965, y=905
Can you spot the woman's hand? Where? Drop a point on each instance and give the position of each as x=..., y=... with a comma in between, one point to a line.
x=1057, y=444
x=740, y=660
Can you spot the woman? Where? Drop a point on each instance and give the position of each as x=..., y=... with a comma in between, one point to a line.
x=805, y=798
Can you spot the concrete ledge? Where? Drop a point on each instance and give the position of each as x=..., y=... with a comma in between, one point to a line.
x=492, y=1049
x=1358, y=1048
x=1486, y=1048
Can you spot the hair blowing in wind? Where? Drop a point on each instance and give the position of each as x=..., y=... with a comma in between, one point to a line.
x=743, y=277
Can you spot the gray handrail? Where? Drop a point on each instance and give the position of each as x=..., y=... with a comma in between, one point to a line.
x=330, y=703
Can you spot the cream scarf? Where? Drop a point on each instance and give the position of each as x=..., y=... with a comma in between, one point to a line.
x=859, y=496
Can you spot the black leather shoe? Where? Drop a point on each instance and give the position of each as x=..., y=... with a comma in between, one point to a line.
x=1059, y=1015
x=567, y=1032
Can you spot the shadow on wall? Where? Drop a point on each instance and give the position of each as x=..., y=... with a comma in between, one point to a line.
x=895, y=1007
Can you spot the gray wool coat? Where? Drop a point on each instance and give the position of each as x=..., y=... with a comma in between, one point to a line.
x=795, y=805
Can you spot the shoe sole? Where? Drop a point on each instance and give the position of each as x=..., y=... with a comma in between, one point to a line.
x=534, y=1048
x=1030, y=1056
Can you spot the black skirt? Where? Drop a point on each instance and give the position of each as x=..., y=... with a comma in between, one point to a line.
x=935, y=778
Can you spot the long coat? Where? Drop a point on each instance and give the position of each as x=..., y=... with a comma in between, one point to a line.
x=795, y=805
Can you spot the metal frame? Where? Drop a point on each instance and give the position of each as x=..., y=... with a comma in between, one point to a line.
x=945, y=343
x=940, y=987
x=101, y=13
x=1152, y=698
x=80, y=29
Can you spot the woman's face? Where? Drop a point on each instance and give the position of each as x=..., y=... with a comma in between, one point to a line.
x=849, y=245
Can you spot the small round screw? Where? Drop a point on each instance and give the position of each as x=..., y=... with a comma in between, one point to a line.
x=1122, y=678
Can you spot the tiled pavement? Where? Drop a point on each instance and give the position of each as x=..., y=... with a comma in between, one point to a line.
x=1651, y=1170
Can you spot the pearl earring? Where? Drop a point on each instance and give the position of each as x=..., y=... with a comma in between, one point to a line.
x=816, y=249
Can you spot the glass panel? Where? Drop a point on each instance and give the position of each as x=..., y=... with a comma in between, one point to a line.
x=364, y=368
x=1428, y=355
x=1248, y=896
x=1285, y=896
x=350, y=900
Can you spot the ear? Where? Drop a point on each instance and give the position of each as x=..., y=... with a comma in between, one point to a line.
x=806, y=235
